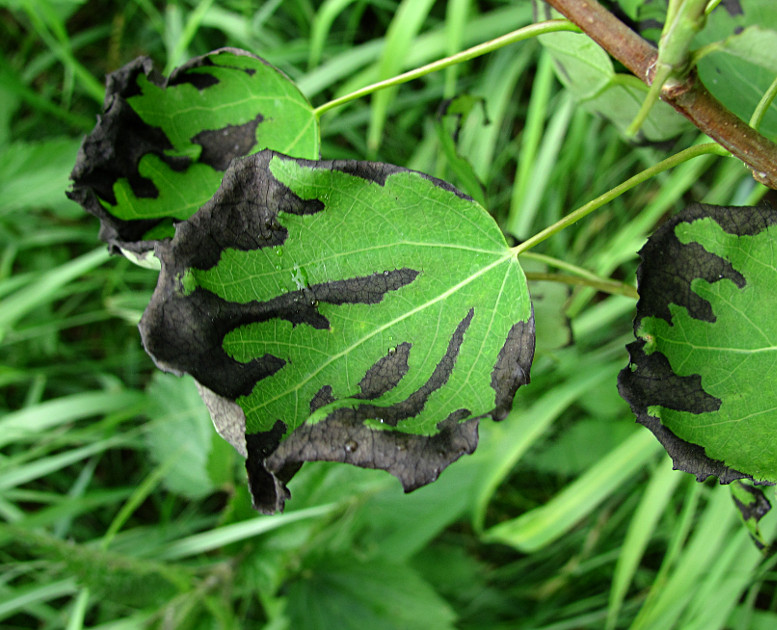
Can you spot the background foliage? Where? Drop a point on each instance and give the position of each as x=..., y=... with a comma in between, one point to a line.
x=120, y=506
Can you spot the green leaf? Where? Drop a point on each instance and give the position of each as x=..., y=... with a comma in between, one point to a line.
x=587, y=71
x=739, y=69
x=456, y=111
x=549, y=300
x=347, y=593
x=162, y=145
x=342, y=311
x=34, y=174
x=180, y=428
x=701, y=370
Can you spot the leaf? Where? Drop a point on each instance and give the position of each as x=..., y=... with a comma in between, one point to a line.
x=342, y=311
x=348, y=593
x=739, y=70
x=701, y=371
x=587, y=71
x=549, y=300
x=162, y=145
x=738, y=62
x=180, y=428
x=753, y=506
x=456, y=111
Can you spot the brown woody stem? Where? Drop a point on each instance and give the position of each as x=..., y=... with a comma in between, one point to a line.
x=690, y=98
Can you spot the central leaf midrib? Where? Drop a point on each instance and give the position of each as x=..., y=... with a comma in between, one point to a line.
x=323, y=260
x=506, y=257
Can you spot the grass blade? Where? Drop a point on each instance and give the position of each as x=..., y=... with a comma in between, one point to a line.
x=538, y=528
x=42, y=290
x=221, y=536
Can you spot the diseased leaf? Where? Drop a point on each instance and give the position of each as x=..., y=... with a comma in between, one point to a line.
x=753, y=506
x=701, y=375
x=162, y=145
x=343, y=311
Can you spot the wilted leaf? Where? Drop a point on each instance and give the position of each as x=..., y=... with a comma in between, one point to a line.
x=702, y=369
x=343, y=311
x=162, y=145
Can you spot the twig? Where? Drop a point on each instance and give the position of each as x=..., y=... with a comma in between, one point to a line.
x=690, y=97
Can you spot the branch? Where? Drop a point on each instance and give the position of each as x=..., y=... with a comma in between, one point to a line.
x=689, y=97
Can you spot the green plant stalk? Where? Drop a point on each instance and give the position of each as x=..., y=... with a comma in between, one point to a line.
x=601, y=200
x=684, y=19
x=42, y=288
x=78, y=610
x=763, y=105
x=662, y=75
x=583, y=276
x=557, y=263
x=533, y=30
x=687, y=19
x=193, y=24
x=612, y=287
x=140, y=494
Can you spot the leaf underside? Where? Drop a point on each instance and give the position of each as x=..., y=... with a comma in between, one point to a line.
x=162, y=145
x=342, y=311
x=701, y=373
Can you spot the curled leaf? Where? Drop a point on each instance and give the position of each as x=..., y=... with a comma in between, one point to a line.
x=162, y=144
x=342, y=311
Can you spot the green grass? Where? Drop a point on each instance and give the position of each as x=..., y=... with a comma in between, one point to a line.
x=121, y=508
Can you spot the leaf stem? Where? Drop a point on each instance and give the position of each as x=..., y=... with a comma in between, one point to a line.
x=526, y=32
x=601, y=200
x=583, y=276
x=612, y=287
x=763, y=105
x=550, y=261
